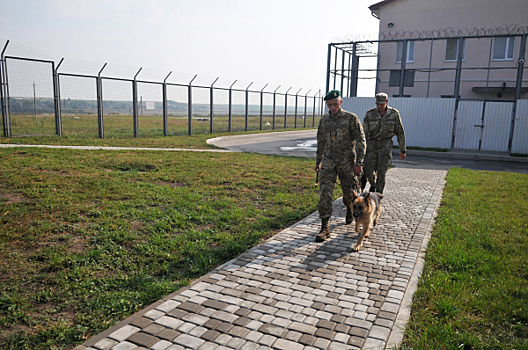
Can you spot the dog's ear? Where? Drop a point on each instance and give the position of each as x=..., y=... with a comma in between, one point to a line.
x=381, y=196
x=355, y=195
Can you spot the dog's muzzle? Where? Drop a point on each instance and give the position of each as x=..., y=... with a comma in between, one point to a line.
x=356, y=217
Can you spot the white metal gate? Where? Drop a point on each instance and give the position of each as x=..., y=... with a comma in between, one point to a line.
x=483, y=126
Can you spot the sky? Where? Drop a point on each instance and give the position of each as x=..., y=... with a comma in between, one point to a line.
x=280, y=43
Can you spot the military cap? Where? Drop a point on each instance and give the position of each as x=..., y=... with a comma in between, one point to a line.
x=330, y=95
x=381, y=98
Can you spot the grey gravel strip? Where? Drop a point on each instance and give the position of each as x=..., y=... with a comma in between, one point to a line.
x=117, y=148
x=292, y=293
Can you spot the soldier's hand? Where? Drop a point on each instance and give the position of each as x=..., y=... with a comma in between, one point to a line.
x=402, y=155
x=317, y=167
x=357, y=170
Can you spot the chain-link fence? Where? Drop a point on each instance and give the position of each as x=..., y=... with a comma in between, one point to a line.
x=46, y=95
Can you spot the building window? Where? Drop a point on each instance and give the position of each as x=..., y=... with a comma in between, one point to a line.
x=408, y=78
x=503, y=48
x=410, y=51
x=452, y=49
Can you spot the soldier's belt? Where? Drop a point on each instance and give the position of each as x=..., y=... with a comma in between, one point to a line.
x=378, y=139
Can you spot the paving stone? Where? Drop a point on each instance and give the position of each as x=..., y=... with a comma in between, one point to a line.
x=302, y=327
x=284, y=344
x=324, y=333
x=169, y=322
x=214, y=304
x=212, y=324
x=190, y=307
x=253, y=336
x=105, y=344
x=125, y=346
x=161, y=345
x=272, y=330
x=142, y=339
x=124, y=332
x=188, y=341
x=141, y=322
x=224, y=327
x=235, y=343
x=168, y=334
x=267, y=340
x=153, y=329
x=307, y=339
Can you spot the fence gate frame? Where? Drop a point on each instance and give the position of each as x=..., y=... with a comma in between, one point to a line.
x=6, y=108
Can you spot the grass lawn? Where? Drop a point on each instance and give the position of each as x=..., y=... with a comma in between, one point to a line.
x=88, y=238
x=473, y=293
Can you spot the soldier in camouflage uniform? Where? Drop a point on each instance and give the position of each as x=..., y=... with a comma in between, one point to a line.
x=339, y=136
x=381, y=124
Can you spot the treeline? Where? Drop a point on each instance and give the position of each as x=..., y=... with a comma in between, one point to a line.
x=46, y=105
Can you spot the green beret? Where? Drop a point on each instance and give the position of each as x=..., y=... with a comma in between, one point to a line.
x=330, y=95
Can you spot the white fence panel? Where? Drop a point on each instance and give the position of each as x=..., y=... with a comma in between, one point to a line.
x=428, y=122
x=520, y=130
x=496, y=132
x=358, y=105
x=467, y=135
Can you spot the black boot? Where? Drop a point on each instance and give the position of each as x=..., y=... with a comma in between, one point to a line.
x=324, y=233
x=348, y=219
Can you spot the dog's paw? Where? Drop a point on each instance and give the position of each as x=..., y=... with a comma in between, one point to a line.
x=356, y=248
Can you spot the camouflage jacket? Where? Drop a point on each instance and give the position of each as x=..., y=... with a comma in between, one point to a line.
x=386, y=127
x=339, y=136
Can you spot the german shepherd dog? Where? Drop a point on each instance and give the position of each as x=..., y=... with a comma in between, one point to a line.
x=366, y=209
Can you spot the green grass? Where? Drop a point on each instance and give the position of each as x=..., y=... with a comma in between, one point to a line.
x=85, y=126
x=89, y=238
x=473, y=293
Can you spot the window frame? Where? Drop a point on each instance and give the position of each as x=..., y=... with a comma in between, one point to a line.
x=510, y=43
x=463, y=49
x=399, y=51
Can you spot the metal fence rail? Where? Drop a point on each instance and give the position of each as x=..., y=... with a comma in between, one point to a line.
x=42, y=96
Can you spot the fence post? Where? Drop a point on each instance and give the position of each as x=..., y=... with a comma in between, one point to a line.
x=56, y=98
x=165, y=107
x=402, y=67
x=520, y=72
x=4, y=95
x=99, y=87
x=296, y=104
x=342, y=71
x=274, y=105
x=135, y=114
x=456, y=91
x=247, y=107
x=189, y=105
x=355, y=68
x=329, y=56
x=306, y=106
x=261, y=104
x=314, y=108
x=230, y=107
x=286, y=107
x=211, y=108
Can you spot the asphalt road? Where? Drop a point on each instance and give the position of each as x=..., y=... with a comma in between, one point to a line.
x=304, y=144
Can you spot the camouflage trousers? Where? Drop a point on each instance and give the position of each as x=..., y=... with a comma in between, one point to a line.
x=378, y=159
x=328, y=174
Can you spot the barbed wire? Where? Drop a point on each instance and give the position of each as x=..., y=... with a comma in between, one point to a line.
x=435, y=33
